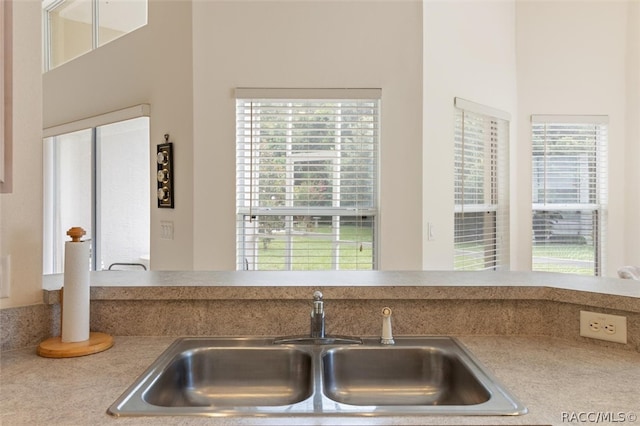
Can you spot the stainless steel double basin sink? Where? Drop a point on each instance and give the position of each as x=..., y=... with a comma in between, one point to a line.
x=255, y=377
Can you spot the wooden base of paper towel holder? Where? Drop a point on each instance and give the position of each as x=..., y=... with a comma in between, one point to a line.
x=54, y=347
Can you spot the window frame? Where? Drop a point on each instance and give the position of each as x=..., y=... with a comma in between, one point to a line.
x=543, y=211
x=6, y=93
x=53, y=238
x=494, y=179
x=246, y=211
x=49, y=6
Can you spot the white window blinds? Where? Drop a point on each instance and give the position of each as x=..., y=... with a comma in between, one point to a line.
x=569, y=178
x=481, y=219
x=306, y=170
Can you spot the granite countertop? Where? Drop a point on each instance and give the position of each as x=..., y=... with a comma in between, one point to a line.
x=601, y=292
x=558, y=381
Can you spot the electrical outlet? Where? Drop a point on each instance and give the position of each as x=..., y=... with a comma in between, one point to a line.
x=603, y=326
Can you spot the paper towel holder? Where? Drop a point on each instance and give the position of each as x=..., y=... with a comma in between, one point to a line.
x=76, y=233
x=54, y=347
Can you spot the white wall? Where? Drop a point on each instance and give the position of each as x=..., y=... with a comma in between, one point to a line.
x=307, y=44
x=571, y=60
x=632, y=155
x=21, y=210
x=469, y=52
x=150, y=65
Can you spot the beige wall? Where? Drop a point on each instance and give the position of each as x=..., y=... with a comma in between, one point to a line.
x=307, y=44
x=632, y=155
x=360, y=44
x=21, y=210
x=70, y=39
x=572, y=59
x=469, y=52
x=150, y=65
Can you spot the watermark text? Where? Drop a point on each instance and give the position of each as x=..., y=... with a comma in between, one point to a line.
x=607, y=417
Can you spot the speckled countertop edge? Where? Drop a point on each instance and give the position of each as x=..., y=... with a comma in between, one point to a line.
x=206, y=285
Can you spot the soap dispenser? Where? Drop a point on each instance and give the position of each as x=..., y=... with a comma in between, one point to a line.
x=387, y=335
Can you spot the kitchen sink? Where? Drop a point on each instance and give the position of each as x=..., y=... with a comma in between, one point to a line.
x=399, y=376
x=255, y=376
x=229, y=377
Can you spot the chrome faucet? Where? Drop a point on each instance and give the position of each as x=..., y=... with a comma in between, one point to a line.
x=317, y=316
x=317, y=334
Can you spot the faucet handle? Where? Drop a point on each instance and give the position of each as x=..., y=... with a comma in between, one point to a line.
x=387, y=335
x=318, y=304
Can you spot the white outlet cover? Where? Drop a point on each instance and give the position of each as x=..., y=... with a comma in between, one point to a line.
x=619, y=324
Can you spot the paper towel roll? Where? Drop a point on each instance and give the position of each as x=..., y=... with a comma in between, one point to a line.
x=75, y=299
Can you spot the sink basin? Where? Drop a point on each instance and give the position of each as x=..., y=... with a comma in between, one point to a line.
x=399, y=376
x=229, y=377
x=251, y=376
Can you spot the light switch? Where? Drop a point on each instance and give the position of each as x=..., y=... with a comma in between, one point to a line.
x=431, y=232
x=166, y=230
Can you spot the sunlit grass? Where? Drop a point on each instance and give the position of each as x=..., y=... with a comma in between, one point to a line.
x=354, y=252
x=547, y=256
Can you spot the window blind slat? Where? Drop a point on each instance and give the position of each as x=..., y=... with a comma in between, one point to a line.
x=306, y=179
x=569, y=193
x=480, y=189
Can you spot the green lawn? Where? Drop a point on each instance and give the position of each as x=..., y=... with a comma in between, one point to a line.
x=355, y=252
x=567, y=258
x=550, y=257
x=315, y=253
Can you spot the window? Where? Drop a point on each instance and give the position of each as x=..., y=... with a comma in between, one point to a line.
x=6, y=90
x=307, y=178
x=75, y=27
x=99, y=178
x=481, y=220
x=569, y=193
